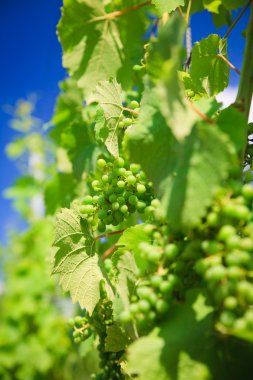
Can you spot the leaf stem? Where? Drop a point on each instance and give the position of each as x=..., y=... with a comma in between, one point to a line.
x=198, y=112
x=221, y=56
x=120, y=13
x=245, y=90
x=109, y=234
x=237, y=19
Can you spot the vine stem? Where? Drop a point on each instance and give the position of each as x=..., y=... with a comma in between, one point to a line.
x=245, y=90
x=109, y=234
x=238, y=18
x=221, y=56
x=108, y=252
x=198, y=112
x=130, y=110
x=120, y=13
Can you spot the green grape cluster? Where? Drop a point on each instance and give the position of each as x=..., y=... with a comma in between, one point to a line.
x=82, y=328
x=160, y=281
x=227, y=262
x=101, y=318
x=216, y=255
x=120, y=190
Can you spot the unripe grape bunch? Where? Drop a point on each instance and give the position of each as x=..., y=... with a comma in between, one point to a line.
x=217, y=255
x=119, y=190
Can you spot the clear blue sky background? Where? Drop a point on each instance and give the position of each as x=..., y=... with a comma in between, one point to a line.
x=31, y=63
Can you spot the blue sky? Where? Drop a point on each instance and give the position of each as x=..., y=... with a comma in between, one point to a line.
x=31, y=63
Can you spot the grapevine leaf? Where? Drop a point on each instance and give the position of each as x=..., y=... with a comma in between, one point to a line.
x=108, y=96
x=209, y=72
x=75, y=260
x=167, y=6
x=97, y=46
x=187, y=174
x=177, y=351
x=163, y=63
x=233, y=4
x=124, y=276
x=234, y=124
x=131, y=240
x=116, y=340
x=73, y=129
x=212, y=5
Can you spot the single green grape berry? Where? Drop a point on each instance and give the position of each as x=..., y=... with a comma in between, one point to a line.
x=162, y=306
x=144, y=292
x=131, y=180
x=101, y=200
x=101, y=226
x=141, y=189
x=105, y=178
x=212, y=219
x=134, y=104
x=141, y=206
x=247, y=191
x=171, y=251
x=95, y=184
x=113, y=198
x=142, y=175
x=135, y=168
x=77, y=340
x=119, y=162
x=155, y=203
x=102, y=214
x=88, y=200
x=101, y=163
x=215, y=273
x=95, y=199
x=121, y=200
x=230, y=303
x=128, y=121
x=144, y=305
x=79, y=320
x=86, y=209
x=121, y=171
x=156, y=280
x=227, y=318
x=154, y=255
x=226, y=232
x=76, y=334
x=115, y=206
x=124, y=209
x=249, y=318
x=121, y=184
x=133, y=200
x=121, y=124
x=149, y=211
x=166, y=287
x=240, y=324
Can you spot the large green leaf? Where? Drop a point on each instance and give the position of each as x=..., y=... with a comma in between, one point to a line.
x=108, y=96
x=164, y=61
x=184, y=174
x=184, y=347
x=75, y=261
x=96, y=46
x=74, y=128
x=164, y=6
x=209, y=72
